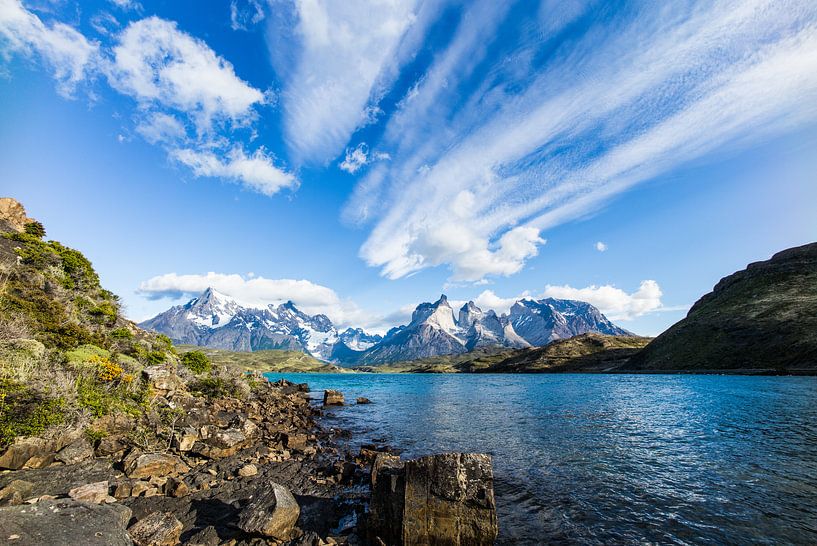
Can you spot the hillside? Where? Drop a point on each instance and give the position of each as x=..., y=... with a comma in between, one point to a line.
x=264, y=361
x=762, y=318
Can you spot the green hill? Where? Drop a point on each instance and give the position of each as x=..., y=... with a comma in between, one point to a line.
x=265, y=361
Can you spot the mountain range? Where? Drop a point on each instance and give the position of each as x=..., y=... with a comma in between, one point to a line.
x=220, y=321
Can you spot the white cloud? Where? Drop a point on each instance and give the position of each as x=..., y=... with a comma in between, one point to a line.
x=259, y=291
x=245, y=14
x=601, y=247
x=70, y=55
x=159, y=65
x=359, y=156
x=615, y=303
x=127, y=5
x=601, y=115
x=158, y=127
x=257, y=171
x=343, y=53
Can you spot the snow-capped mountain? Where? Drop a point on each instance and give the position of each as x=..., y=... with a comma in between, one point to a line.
x=216, y=320
x=434, y=329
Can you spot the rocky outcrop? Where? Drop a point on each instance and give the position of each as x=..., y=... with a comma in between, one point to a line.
x=65, y=522
x=146, y=465
x=13, y=214
x=158, y=529
x=761, y=319
x=272, y=513
x=332, y=398
x=439, y=499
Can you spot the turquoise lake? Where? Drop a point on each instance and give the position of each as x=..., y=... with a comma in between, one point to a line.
x=601, y=459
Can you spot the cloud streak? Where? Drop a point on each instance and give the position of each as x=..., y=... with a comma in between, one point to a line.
x=549, y=138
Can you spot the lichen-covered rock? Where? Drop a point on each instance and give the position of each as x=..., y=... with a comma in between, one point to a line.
x=440, y=499
x=296, y=441
x=272, y=513
x=95, y=493
x=65, y=522
x=76, y=452
x=248, y=470
x=15, y=492
x=162, y=380
x=222, y=443
x=28, y=453
x=157, y=529
x=185, y=439
x=450, y=500
x=332, y=398
x=146, y=465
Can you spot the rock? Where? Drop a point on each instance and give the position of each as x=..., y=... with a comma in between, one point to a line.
x=248, y=470
x=272, y=513
x=110, y=446
x=66, y=522
x=13, y=213
x=138, y=465
x=296, y=442
x=176, y=488
x=15, y=492
x=185, y=439
x=28, y=453
x=95, y=493
x=162, y=380
x=332, y=398
x=387, y=499
x=122, y=490
x=76, y=452
x=220, y=444
x=363, y=400
x=157, y=529
x=446, y=499
x=206, y=537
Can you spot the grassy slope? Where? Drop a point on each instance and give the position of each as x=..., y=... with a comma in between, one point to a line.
x=761, y=318
x=264, y=361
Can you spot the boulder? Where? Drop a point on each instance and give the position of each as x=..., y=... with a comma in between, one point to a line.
x=15, y=492
x=162, y=380
x=110, y=446
x=65, y=522
x=95, y=493
x=272, y=513
x=222, y=443
x=296, y=441
x=76, y=452
x=176, y=488
x=446, y=499
x=28, y=453
x=363, y=400
x=248, y=470
x=147, y=465
x=157, y=529
x=185, y=439
x=332, y=398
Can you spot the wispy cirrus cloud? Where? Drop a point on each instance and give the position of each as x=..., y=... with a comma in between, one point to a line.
x=335, y=59
x=568, y=125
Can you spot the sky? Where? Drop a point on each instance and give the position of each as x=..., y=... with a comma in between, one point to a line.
x=361, y=157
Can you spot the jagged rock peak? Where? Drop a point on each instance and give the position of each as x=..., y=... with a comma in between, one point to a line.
x=13, y=213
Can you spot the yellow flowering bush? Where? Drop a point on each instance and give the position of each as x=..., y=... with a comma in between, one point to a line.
x=106, y=370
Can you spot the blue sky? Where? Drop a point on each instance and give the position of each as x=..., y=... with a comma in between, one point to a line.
x=361, y=157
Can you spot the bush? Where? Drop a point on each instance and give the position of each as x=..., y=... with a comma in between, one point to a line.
x=164, y=342
x=197, y=362
x=35, y=229
x=213, y=387
x=24, y=412
x=93, y=397
x=121, y=333
x=104, y=313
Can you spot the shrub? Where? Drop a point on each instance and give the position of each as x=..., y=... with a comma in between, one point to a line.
x=197, y=362
x=121, y=333
x=19, y=358
x=92, y=396
x=35, y=229
x=24, y=412
x=104, y=313
x=213, y=387
x=106, y=370
x=164, y=342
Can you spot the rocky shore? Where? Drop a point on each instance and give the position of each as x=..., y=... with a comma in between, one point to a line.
x=236, y=472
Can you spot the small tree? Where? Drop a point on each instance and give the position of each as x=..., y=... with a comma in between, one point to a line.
x=197, y=362
x=36, y=229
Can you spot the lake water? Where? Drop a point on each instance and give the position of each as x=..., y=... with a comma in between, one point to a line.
x=604, y=459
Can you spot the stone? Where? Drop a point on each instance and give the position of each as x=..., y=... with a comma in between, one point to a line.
x=248, y=470
x=221, y=443
x=162, y=380
x=122, y=490
x=449, y=499
x=176, y=488
x=272, y=513
x=185, y=439
x=146, y=465
x=332, y=398
x=95, y=493
x=295, y=442
x=157, y=529
x=439, y=499
x=140, y=488
x=13, y=213
x=28, y=453
x=75, y=452
x=66, y=522
x=110, y=446
x=206, y=537
x=362, y=400
x=388, y=486
x=15, y=492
